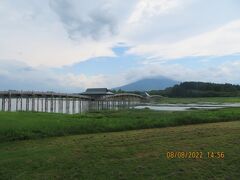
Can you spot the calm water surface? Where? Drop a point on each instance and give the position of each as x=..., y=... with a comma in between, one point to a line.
x=185, y=107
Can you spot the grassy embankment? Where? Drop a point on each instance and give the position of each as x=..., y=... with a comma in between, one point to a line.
x=139, y=154
x=26, y=125
x=215, y=100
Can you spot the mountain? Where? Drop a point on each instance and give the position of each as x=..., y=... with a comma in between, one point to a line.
x=147, y=84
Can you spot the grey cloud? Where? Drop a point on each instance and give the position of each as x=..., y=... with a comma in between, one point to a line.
x=81, y=19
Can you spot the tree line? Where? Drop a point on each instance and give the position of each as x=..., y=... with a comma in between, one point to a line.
x=199, y=89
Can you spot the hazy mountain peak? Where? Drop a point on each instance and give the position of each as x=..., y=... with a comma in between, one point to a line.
x=149, y=83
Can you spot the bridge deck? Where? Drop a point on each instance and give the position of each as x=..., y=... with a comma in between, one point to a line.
x=23, y=94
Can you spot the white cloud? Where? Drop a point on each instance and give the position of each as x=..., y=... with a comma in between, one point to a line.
x=63, y=32
x=46, y=79
x=20, y=76
x=221, y=41
x=221, y=73
x=149, y=8
x=33, y=34
x=83, y=81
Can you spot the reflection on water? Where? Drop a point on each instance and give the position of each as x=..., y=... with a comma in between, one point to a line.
x=184, y=107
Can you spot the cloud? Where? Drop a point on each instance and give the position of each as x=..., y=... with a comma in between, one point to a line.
x=221, y=73
x=48, y=79
x=146, y=9
x=219, y=42
x=92, y=19
x=82, y=20
x=63, y=32
x=32, y=33
x=161, y=22
x=83, y=81
x=18, y=75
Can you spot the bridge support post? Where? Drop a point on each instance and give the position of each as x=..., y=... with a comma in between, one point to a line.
x=33, y=103
x=102, y=105
x=117, y=104
x=67, y=105
x=73, y=105
x=59, y=105
x=27, y=104
x=46, y=104
x=42, y=104
x=55, y=105
x=17, y=99
x=21, y=103
x=113, y=104
x=37, y=104
x=51, y=104
x=3, y=104
x=9, y=101
x=107, y=105
x=79, y=105
x=128, y=102
x=62, y=105
x=62, y=101
x=89, y=105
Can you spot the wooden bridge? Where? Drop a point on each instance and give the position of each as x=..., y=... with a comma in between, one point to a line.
x=124, y=97
x=64, y=102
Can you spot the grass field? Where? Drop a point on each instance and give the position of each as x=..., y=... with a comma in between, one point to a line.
x=60, y=146
x=27, y=125
x=139, y=154
x=218, y=100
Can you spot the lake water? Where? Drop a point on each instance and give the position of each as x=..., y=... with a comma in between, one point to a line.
x=185, y=107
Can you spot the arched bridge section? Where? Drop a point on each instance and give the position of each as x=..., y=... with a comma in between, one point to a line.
x=116, y=101
x=124, y=97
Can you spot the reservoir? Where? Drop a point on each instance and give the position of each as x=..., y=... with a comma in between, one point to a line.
x=185, y=107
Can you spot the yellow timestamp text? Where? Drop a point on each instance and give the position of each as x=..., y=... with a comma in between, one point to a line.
x=194, y=155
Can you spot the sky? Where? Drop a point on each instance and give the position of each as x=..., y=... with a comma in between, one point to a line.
x=71, y=45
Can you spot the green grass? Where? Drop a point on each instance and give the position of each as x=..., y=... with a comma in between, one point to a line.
x=27, y=125
x=137, y=154
x=218, y=100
